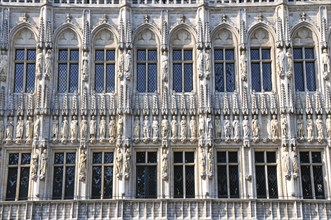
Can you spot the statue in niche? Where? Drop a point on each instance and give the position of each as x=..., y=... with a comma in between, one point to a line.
x=310, y=129
x=48, y=64
x=93, y=129
x=43, y=164
x=218, y=127
x=34, y=166
x=286, y=165
x=236, y=127
x=274, y=128
x=127, y=166
x=64, y=130
x=9, y=130
x=55, y=129
x=295, y=166
x=83, y=128
x=36, y=129
x=155, y=129
x=325, y=63
x=201, y=126
x=82, y=165
x=207, y=59
x=102, y=129
x=164, y=164
x=174, y=128
x=119, y=161
x=164, y=66
x=127, y=65
x=120, y=127
x=193, y=129
x=112, y=129
x=1, y=129
x=289, y=70
x=319, y=127
x=3, y=63
x=243, y=65
x=200, y=64
x=202, y=162
x=246, y=129
x=280, y=63
x=39, y=64
x=136, y=128
x=29, y=129
x=255, y=128
x=328, y=126
x=146, y=128
x=209, y=127
x=210, y=157
x=85, y=66
x=227, y=129
x=19, y=130
x=300, y=128
x=121, y=65
x=165, y=127
x=183, y=129
x=284, y=126
x=74, y=129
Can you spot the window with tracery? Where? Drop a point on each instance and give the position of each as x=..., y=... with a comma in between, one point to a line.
x=18, y=176
x=266, y=174
x=146, y=174
x=182, y=68
x=312, y=178
x=68, y=70
x=104, y=70
x=304, y=69
x=228, y=174
x=261, y=72
x=184, y=185
x=64, y=175
x=147, y=70
x=102, y=175
x=224, y=70
x=25, y=68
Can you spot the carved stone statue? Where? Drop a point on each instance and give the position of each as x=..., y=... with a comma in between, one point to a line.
x=155, y=129
x=3, y=63
x=274, y=128
x=193, y=128
x=36, y=129
x=284, y=126
x=236, y=129
x=164, y=66
x=127, y=166
x=201, y=126
x=200, y=64
x=48, y=64
x=174, y=128
x=210, y=157
x=34, y=166
x=39, y=64
x=289, y=70
x=120, y=127
x=1, y=128
x=102, y=129
x=93, y=129
x=165, y=164
x=146, y=128
x=74, y=129
x=112, y=129
x=325, y=64
x=55, y=129
x=136, y=128
x=183, y=129
x=43, y=164
x=243, y=65
x=127, y=65
x=300, y=128
x=328, y=126
x=29, y=129
x=310, y=129
x=119, y=162
x=280, y=63
x=255, y=129
x=9, y=130
x=319, y=127
x=121, y=65
x=19, y=130
x=246, y=129
x=85, y=66
x=202, y=162
x=218, y=127
x=165, y=127
x=209, y=127
x=83, y=128
x=227, y=128
x=64, y=130
x=82, y=165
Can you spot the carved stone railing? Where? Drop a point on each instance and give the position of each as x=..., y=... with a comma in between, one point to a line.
x=167, y=209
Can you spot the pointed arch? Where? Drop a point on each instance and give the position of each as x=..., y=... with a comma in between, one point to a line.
x=185, y=27
x=102, y=27
x=227, y=27
x=263, y=26
x=151, y=27
x=71, y=27
x=21, y=27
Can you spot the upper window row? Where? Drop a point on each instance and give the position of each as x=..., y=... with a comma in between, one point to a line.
x=182, y=68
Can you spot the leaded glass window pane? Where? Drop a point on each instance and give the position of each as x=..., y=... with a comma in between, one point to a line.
x=68, y=70
x=102, y=175
x=267, y=77
x=25, y=64
x=146, y=174
x=152, y=77
x=110, y=82
x=69, y=183
x=19, y=55
x=189, y=175
x=224, y=70
x=19, y=77
x=188, y=77
x=261, y=71
x=141, y=77
x=104, y=70
x=310, y=76
x=99, y=80
x=219, y=77
x=11, y=184
x=299, y=77
x=177, y=75
x=256, y=77
x=31, y=54
x=30, y=77
x=182, y=70
x=24, y=183
x=73, y=87
x=230, y=78
x=178, y=182
x=146, y=70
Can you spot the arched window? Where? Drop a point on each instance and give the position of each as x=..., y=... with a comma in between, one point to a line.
x=304, y=60
x=182, y=61
x=25, y=56
x=104, y=56
x=261, y=60
x=224, y=61
x=146, y=61
x=68, y=62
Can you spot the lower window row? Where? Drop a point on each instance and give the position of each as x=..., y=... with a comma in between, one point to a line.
x=184, y=175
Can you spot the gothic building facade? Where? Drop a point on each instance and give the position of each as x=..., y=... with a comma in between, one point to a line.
x=165, y=109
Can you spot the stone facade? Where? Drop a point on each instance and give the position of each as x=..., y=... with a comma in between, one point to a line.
x=245, y=78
